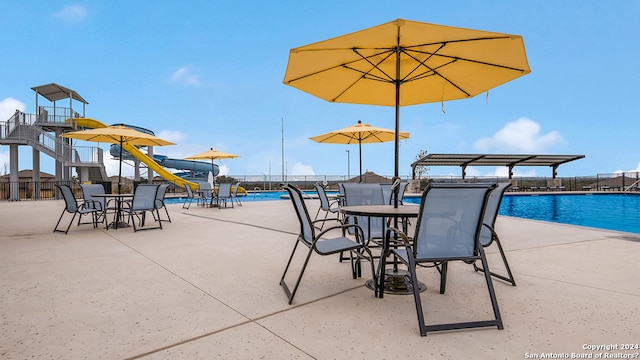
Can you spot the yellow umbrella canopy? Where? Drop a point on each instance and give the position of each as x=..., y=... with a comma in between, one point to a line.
x=118, y=135
x=405, y=62
x=212, y=155
x=359, y=133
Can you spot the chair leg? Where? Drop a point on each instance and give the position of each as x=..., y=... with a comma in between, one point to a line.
x=443, y=277
x=492, y=294
x=509, y=278
x=292, y=293
x=416, y=295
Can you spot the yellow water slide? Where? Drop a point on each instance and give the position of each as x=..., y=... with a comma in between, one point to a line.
x=136, y=153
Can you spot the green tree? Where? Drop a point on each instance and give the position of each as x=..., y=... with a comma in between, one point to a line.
x=421, y=169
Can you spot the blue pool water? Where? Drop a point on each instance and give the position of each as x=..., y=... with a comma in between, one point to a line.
x=605, y=211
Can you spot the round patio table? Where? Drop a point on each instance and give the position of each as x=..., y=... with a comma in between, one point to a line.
x=394, y=281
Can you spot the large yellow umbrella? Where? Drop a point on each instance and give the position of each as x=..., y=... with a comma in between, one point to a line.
x=359, y=133
x=118, y=135
x=212, y=155
x=428, y=62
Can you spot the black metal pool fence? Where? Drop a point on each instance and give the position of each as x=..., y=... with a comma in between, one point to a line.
x=628, y=181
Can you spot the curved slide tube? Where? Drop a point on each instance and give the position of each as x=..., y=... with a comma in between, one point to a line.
x=135, y=152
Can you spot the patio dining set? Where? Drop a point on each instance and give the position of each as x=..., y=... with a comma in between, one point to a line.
x=454, y=222
x=115, y=210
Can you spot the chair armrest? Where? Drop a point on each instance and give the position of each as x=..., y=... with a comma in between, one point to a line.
x=359, y=233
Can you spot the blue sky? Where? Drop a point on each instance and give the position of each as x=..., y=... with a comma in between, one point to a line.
x=209, y=74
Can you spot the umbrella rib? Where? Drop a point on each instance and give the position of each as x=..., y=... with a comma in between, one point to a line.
x=367, y=74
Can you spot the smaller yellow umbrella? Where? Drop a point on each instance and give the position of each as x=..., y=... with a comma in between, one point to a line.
x=212, y=155
x=118, y=134
x=359, y=133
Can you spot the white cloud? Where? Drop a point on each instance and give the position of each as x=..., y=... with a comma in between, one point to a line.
x=73, y=14
x=637, y=169
x=522, y=135
x=173, y=136
x=301, y=169
x=8, y=107
x=184, y=75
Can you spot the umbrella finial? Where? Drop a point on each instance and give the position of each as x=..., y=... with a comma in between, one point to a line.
x=359, y=121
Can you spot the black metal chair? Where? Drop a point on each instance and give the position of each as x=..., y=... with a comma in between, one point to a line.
x=190, y=197
x=159, y=203
x=72, y=207
x=488, y=234
x=234, y=194
x=448, y=229
x=144, y=199
x=329, y=207
x=223, y=194
x=321, y=244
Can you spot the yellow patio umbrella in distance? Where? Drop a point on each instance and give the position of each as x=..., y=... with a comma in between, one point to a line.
x=118, y=135
x=212, y=155
x=405, y=62
x=359, y=133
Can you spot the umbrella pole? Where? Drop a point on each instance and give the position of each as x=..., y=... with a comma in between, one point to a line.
x=397, y=134
x=360, y=153
x=120, y=169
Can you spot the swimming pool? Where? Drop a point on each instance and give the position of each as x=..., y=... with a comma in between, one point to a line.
x=604, y=211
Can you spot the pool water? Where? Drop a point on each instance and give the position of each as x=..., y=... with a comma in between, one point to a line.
x=618, y=212
x=605, y=211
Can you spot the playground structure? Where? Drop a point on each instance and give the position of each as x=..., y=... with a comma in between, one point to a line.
x=41, y=131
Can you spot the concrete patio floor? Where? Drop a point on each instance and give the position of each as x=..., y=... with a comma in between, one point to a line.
x=206, y=287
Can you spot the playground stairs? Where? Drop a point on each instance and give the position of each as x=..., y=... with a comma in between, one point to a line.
x=21, y=130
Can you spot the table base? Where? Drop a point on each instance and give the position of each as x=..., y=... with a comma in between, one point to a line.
x=118, y=225
x=397, y=282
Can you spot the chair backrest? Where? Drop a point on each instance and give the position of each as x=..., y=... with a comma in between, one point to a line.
x=236, y=186
x=387, y=192
x=189, y=191
x=144, y=198
x=90, y=202
x=307, y=232
x=491, y=213
x=71, y=204
x=162, y=191
x=205, y=189
x=450, y=221
x=365, y=194
x=224, y=190
x=322, y=195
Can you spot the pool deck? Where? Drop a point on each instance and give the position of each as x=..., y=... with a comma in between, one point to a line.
x=206, y=287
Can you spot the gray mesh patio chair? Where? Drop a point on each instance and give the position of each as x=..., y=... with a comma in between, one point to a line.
x=448, y=229
x=72, y=207
x=144, y=199
x=328, y=207
x=365, y=194
x=190, y=197
x=224, y=194
x=98, y=203
x=207, y=194
x=322, y=244
x=159, y=203
x=388, y=192
x=234, y=194
x=488, y=235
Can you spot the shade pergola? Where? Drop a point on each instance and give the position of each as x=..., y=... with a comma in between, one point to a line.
x=508, y=160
